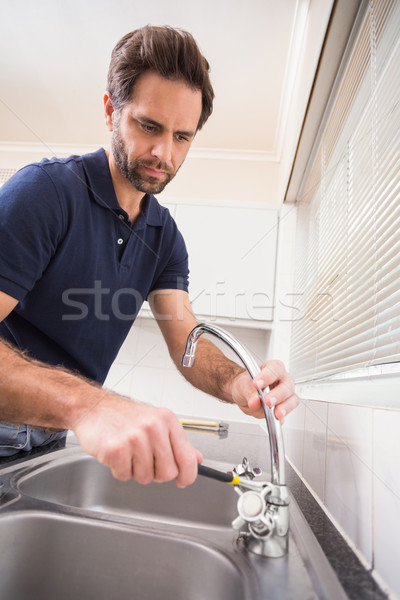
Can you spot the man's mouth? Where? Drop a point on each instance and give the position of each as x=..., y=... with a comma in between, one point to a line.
x=153, y=172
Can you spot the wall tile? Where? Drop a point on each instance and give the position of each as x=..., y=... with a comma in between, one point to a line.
x=386, y=494
x=316, y=417
x=184, y=399
x=119, y=379
x=349, y=472
x=151, y=350
x=293, y=434
x=147, y=385
x=255, y=340
x=177, y=394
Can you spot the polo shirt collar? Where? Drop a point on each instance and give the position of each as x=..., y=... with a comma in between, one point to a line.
x=151, y=211
x=100, y=182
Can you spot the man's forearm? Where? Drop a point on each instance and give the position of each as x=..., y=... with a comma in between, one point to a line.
x=212, y=372
x=34, y=393
x=133, y=439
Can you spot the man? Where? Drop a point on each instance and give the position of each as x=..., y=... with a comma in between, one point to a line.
x=82, y=243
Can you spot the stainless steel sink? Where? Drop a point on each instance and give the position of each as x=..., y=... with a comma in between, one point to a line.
x=45, y=556
x=80, y=481
x=69, y=530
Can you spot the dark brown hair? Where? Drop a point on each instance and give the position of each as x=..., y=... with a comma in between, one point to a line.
x=171, y=53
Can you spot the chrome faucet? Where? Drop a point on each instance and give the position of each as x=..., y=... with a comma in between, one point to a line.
x=268, y=526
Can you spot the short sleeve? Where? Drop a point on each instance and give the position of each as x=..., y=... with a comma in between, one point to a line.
x=175, y=275
x=31, y=224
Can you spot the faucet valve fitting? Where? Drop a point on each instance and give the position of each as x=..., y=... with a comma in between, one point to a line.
x=245, y=470
x=253, y=510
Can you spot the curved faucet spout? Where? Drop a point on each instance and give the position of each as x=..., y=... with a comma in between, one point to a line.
x=273, y=425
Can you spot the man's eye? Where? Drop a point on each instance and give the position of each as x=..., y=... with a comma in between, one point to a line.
x=148, y=128
x=181, y=138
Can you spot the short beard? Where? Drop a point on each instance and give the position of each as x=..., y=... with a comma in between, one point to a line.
x=131, y=169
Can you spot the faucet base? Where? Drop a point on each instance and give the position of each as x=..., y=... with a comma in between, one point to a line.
x=274, y=547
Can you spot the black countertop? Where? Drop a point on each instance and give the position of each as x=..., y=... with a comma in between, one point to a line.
x=357, y=581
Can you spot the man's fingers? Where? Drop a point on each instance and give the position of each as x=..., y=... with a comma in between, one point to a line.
x=186, y=456
x=140, y=441
x=199, y=456
x=174, y=456
x=281, y=394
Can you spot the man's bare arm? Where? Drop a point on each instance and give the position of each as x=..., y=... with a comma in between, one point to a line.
x=213, y=372
x=38, y=394
x=133, y=439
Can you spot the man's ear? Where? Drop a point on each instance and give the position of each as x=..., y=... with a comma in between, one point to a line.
x=108, y=111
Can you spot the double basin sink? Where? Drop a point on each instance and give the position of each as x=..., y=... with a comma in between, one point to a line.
x=69, y=530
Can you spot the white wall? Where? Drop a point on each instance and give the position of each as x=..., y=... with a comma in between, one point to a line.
x=349, y=457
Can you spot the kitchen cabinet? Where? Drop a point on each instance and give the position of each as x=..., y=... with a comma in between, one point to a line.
x=232, y=252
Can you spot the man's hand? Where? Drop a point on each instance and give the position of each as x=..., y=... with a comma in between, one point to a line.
x=138, y=440
x=281, y=395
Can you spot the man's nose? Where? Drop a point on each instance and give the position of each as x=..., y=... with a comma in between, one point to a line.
x=162, y=149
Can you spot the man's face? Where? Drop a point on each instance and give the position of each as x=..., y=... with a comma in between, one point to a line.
x=152, y=134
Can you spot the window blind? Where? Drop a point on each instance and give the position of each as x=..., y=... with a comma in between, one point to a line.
x=347, y=271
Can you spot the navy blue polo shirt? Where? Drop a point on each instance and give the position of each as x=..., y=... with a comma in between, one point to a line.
x=68, y=253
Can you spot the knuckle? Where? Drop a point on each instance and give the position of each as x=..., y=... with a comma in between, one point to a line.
x=166, y=472
x=144, y=478
x=143, y=472
x=135, y=440
x=171, y=472
x=185, y=462
x=121, y=475
x=187, y=470
x=167, y=415
x=185, y=479
x=156, y=423
x=151, y=426
x=110, y=453
x=276, y=364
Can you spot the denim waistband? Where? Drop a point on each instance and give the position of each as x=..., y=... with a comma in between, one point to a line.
x=14, y=438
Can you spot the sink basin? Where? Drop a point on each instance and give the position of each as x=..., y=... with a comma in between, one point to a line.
x=44, y=555
x=82, y=482
x=74, y=531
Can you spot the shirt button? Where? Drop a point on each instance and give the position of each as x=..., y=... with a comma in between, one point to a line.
x=120, y=241
x=121, y=217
